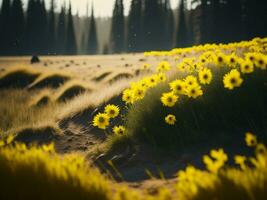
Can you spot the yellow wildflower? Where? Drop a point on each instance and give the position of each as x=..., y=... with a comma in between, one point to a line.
x=232, y=79
x=169, y=99
x=170, y=119
x=112, y=111
x=101, y=120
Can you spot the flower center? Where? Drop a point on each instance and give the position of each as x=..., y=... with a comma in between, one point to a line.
x=169, y=99
x=233, y=80
x=101, y=119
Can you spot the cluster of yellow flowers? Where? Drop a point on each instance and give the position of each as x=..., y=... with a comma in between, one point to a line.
x=193, y=182
x=197, y=65
x=50, y=174
x=102, y=120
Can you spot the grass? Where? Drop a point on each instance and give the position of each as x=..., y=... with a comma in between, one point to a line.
x=43, y=97
x=72, y=89
x=88, y=102
x=18, y=77
x=17, y=113
x=50, y=79
x=219, y=115
x=119, y=76
x=102, y=76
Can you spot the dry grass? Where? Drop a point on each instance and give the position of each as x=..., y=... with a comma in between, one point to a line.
x=42, y=98
x=90, y=101
x=72, y=89
x=18, y=77
x=120, y=76
x=50, y=79
x=17, y=113
x=101, y=76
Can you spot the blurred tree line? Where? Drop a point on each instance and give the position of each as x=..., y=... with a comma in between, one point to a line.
x=150, y=25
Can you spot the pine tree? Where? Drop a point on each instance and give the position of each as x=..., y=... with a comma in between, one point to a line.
x=43, y=29
x=36, y=27
x=181, y=40
x=169, y=21
x=5, y=27
x=117, y=27
x=92, y=46
x=71, y=47
x=134, y=29
x=51, y=29
x=255, y=16
x=153, y=25
x=17, y=28
x=61, y=32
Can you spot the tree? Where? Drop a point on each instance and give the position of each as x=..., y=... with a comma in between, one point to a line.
x=51, y=29
x=153, y=25
x=169, y=21
x=181, y=38
x=255, y=18
x=17, y=28
x=117, y=27
x=43, y=30
x=92, y=46
x=36, y=28
x=71, y=47
x=5, y=27
x=134, y=29
x=61, y=32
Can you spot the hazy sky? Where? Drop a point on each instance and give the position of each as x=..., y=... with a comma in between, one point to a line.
x=102, y=7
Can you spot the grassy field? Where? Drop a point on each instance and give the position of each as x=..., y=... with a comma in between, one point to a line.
x=136, y=126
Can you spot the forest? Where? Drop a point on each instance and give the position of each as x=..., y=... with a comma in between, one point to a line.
x=40, y=30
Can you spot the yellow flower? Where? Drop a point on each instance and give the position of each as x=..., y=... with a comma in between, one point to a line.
x=218, y=161
x=119, y=130
x=205, y=76
x=163, y=66
x=169, y=99
x=170, y=119
x=190, y=80
x=101, y=120
x=139, y=93
x=251, y=140
x=152, y=81
x=261, y=149
x=177, y=86
x=162, y=77
x=219, y=59
x=251, y=57
x=219, y=155
x=182, y=67
x=261, y=61
x=240, y=160
x=127, y=96
x=247, y=67
x=194, y=91
x=232, y=79
x=232, y=60
x=112, y=111
x=211, y=165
